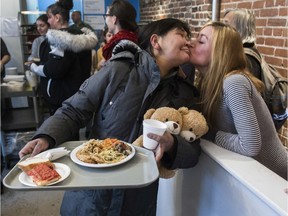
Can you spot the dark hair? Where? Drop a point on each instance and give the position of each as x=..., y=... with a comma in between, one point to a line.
x=161, y=28
x=61, y=7
x=76, y=11
x=43, y=18
x=126, y=14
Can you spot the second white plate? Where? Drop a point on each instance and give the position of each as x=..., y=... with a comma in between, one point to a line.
x=62, y=169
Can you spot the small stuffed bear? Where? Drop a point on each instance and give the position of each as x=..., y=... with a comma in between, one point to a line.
x=194, y=124
x=190, y=124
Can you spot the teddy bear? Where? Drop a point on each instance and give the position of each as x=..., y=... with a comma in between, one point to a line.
x=194, y=124
x=174, y=120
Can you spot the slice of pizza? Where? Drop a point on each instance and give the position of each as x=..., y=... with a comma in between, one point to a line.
x=40, y=170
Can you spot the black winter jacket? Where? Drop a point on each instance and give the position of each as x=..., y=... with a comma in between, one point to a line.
x=66, y=56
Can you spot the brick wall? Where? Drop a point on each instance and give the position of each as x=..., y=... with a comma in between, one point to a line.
x=271, y=22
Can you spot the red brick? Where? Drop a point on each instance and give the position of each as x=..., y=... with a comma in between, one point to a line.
x=258, y=4
x=283, y=11
x=269, y=12
x=278, y=32
x=274, y=61
x=267, y=31
x=274, y=42
x=269, y=3
x=260, y=40
x=261, y=22
x=264, y=50
x=247, y=4
x=280, y=3
x=277, y=22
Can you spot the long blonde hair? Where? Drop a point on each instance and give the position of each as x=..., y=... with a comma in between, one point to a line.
x=227, y=57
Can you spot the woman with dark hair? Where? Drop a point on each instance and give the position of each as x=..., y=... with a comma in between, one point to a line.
x=121, y=22
x=65, y=56
x=133, y=80
x=42, y=27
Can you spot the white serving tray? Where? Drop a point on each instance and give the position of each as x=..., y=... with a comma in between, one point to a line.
x=140, y=171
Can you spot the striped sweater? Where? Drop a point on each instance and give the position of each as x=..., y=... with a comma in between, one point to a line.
x=245, y=126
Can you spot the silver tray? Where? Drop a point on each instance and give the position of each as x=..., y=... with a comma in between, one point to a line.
x=140, y=171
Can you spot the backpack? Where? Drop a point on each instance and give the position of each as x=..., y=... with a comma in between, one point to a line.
x=276, y=89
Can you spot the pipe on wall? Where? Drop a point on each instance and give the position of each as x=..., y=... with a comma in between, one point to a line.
x=215, y=10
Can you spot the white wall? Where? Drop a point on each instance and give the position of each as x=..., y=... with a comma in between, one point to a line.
x=223, y=184
x=10, y=9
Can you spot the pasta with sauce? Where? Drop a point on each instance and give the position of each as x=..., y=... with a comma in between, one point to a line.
x=106, y=151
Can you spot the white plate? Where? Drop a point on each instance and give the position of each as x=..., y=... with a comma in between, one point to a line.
x=18, y=78
x=62, y=169
x=77, y=161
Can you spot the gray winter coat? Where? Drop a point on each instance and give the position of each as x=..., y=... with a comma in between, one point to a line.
x=119, y=94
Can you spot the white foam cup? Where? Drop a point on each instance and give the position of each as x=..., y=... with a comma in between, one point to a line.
x=31, y=78
x=152, y=126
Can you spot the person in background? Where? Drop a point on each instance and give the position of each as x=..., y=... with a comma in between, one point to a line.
x=231, y=101
x=78, y=23
x=5, y=58
x=65, y=57
x=244, y=22
x=132, y=81
x=100, y=59
x=42, y=27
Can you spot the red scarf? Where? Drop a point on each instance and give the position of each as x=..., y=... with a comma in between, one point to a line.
x=124, y=34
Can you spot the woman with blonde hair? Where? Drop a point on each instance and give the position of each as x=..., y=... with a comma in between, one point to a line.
x=231, y=98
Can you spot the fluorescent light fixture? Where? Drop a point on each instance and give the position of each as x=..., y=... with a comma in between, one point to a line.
x=33, y=12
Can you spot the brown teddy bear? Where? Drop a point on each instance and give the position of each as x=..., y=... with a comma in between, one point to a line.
x=174, y=120
x=194, y=124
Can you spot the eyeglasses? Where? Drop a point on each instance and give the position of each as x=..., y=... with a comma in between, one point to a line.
x=105, y=15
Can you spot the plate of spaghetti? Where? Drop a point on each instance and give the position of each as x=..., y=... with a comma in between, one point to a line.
x=102, y=153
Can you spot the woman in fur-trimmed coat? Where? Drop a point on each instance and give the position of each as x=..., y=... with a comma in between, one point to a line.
x=65, y=57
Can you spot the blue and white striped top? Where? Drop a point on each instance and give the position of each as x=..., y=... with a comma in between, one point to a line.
x=245, y=125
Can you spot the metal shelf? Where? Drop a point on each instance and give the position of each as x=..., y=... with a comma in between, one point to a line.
x=20, y=118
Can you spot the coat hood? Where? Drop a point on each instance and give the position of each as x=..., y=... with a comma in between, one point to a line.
x=76, y=43
x=126, y=45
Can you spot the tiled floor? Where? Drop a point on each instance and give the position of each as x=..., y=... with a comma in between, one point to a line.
x=30, y=203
